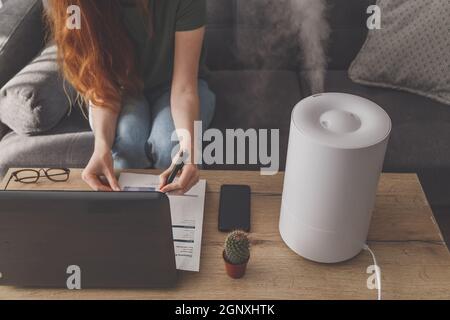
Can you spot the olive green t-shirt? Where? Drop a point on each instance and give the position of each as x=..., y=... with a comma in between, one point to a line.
x=155, y=44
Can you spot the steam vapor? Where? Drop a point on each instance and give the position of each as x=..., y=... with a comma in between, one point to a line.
x=309, y=18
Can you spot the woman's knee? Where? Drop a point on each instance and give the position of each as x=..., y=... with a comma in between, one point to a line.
x=133, y=129
x=133, y=125
x=162, y=152
x=162, y=143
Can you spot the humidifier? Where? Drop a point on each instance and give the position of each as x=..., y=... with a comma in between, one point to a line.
x=337, y=144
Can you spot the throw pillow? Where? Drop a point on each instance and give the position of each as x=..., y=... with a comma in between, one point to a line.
x=21, y=37
x=37, y=98
x=411, y=52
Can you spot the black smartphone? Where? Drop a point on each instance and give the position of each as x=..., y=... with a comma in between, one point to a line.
x=234, y=208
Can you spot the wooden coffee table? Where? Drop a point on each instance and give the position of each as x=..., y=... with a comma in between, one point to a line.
x=414, y=260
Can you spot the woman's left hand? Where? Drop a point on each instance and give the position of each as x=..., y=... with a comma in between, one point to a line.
x=189, y=177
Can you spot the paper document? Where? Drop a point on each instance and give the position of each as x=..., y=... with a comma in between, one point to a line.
x=187, y=217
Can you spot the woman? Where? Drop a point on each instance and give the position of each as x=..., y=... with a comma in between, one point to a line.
x=140, y=65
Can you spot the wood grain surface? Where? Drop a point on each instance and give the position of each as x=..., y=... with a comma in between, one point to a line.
x=414, y=260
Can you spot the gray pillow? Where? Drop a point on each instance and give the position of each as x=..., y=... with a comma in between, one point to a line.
x=37, y=98
x=411, y=52
x=21, y=35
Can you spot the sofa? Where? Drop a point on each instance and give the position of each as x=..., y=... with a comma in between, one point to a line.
x=257, y=80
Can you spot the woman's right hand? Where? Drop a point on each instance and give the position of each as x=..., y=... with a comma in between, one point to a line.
x=101, y=165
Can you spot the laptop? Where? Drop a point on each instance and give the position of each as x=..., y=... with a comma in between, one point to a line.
x=86, y=240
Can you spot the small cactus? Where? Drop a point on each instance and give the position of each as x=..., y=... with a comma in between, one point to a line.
x=237, y=248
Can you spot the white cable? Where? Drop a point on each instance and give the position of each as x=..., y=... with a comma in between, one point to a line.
x=377, y=270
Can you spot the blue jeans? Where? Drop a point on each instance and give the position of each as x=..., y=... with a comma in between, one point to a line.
x=145, y=127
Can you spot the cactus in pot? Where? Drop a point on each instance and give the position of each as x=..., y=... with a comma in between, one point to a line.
x=236, y=253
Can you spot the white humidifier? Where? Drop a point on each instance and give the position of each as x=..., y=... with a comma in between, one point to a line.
x=337, y=145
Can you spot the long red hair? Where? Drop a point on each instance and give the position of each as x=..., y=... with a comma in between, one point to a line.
x=98, y=59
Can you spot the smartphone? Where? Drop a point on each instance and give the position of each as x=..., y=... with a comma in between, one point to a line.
x=234, y=208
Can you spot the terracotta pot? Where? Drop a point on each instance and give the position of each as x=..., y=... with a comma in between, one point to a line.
x=235, y=271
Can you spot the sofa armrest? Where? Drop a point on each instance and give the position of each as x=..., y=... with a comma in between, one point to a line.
x=22, y=35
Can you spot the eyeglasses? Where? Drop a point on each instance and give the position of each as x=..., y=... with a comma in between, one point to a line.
x=29, y=176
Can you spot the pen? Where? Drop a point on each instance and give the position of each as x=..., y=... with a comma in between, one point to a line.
x=176, y=169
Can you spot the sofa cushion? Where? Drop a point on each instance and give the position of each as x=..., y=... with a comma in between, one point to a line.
x=265, y=37
x=221, y=12
x=35, y=100
x=348, y=22
x=21, y=35
x=70, y=144
x=412, y=50
x=420, y=125
x=255, y=99
x=220, y=35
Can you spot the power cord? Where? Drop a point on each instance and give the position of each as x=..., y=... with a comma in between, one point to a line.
x=377, y=269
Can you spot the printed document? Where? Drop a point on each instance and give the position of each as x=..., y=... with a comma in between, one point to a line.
x=187, y=217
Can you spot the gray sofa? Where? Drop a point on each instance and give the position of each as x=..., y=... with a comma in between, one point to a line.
x=256, y=87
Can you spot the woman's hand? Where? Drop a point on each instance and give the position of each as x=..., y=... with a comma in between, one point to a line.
x=104, y=123
x=101, y=165
x=189, y=177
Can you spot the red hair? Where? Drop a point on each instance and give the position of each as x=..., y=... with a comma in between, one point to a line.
x=99, y=59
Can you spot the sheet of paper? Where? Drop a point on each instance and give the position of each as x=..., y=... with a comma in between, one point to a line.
x=187, y=217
